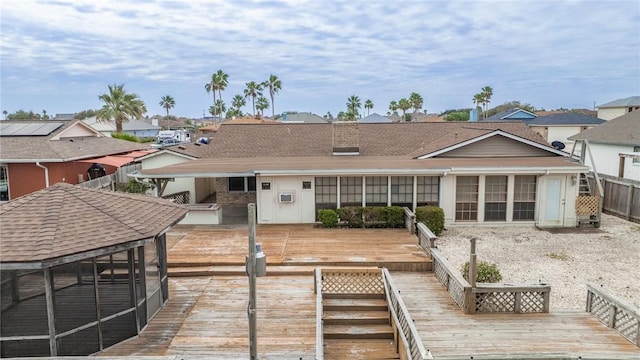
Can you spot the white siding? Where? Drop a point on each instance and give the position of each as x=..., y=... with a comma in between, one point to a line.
x=272, y=211
x=607, y=160
x=179, y=184
x=611, y=113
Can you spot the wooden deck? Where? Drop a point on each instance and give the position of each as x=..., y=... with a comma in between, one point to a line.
x=447, y=331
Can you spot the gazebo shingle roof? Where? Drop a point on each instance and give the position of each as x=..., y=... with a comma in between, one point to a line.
x=65, y=219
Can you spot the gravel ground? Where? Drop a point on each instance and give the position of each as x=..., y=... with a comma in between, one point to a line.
x=566, y=259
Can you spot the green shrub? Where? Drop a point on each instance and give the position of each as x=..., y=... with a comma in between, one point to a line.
x=432, y=217
x=393, y=216
x=372, y=216
x=124, y=136
x=352, y=215
x=135, y=187
x=487, y=272
x=328, y=217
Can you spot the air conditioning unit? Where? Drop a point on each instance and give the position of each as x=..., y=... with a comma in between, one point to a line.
x=285, y=197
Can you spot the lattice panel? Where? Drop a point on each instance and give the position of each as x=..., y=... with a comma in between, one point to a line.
x=495, y=302
x=532, y=302
x=457, y=293
x=352, y=283
x=627, y=325
x=587, y=205
x=600, y=308
x=441, y=273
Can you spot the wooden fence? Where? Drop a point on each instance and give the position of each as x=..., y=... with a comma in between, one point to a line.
x=621, y=196
x=109, y=181
x=614, y=313
x=484, y=298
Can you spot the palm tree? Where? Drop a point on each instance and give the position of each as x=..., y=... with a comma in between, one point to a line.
x=221, y=81
x=368, y=105
x=5, y=112
x=416, y=103
x=262, y=104
x=393, y=108
x=44, y=115
x=167, y=103
x=220, y=107
x=120, y=106
x=238, y=102
x=274, y=85
x=404, y=105
x=212, y=87
x=486, y=93
x=353, y=105
x=253, y=90
x=212, y=110
x=477, y=100
x=233, y=112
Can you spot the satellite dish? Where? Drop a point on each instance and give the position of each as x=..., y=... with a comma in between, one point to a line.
x=558, y=145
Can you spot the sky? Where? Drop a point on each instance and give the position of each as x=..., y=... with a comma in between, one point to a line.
x=60, y=55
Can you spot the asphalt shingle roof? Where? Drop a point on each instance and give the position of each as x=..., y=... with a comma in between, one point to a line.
x=33, y=148
x=65, y=219
x=131, y=125
x=623, y=130
x=564, y=119
x=626, y=102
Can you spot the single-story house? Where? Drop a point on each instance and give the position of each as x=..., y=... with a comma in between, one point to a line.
x=619, y=107
x=35, y=154
x=614, y=147
x=375, y=118
x=81, y=269
x=303, y=117
x=479, y=173
x=133, y=127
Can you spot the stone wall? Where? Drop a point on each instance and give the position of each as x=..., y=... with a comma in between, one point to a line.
x=236, y=198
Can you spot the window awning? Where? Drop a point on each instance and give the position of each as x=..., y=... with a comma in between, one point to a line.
x=118, y=160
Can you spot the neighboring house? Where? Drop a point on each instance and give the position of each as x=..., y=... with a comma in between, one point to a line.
x=556, y=126
x=608, y=141
x=479, y=173
x=81, y=269
x=36, y=154
x=375, y=118
x=64, y=116
x=303, y=117
x=136, y=128
x=613, y=109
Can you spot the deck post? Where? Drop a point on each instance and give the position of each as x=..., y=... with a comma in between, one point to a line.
x=51, y=318
x=612, y=316
x=518, y=302
x=473, y=271
x=96, y=294
x=251, y=269
x=133, y=295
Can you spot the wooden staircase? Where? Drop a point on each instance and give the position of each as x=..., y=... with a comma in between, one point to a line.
x=357, y=326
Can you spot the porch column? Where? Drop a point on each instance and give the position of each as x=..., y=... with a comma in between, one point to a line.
x=388, y=190
x=51, y=317
x=415, y=193
x=364, y=191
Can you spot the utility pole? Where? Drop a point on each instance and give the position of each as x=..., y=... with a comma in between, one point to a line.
x=251, y=271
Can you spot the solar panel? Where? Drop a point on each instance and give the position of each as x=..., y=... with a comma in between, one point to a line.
x=29, y=129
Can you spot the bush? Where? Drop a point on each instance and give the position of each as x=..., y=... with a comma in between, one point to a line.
x=393, y=216
x=135, y=187
x=487, y=272
x=352, y=215
x=328, y=217
x=372, y=216
x=432, y=217
x=124, y=136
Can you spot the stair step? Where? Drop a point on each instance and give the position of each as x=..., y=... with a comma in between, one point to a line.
x=358, y=332
x=359, y=349
x=351, y=296
x=356, y=318
x=224, y=270
x=354, y=304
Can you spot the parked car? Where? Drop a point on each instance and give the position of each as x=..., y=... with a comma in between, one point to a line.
x=164, y=143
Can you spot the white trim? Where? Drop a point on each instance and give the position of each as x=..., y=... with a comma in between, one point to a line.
x=488, y=135
x=80, y=123
x=506, y=117
x=165, y=151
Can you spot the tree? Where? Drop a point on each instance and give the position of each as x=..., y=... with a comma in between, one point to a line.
x=328, y=115
x=211, y=87
x=4, y=112
x=353, y=105
x=416, y=102
x=167, y=103
x=44, y=115
x=220, y=107
x=238, y=102
x=221, y=81
x=404, y=105
x=253, y=90
x=487, y=92
x=393, y=108
x=23, y=115
x=233, y=112
x=274, y=85
x=262, y=104
x=212, y=110
x=120, y=106
x=342, y=115
x=368, y=104
x=85, y=114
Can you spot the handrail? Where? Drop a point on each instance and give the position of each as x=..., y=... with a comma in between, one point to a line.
x=409, y=220
x=614, y=313
x=413, y=345
x=319, y=314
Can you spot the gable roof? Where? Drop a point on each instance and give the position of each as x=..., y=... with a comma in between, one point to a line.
x=626, y=102
x=303, y=117
x=64, y=219
x=375, y=118
x=513, y=113
x=80, y=143
x=110, y=126
x=623, y=130
x=565, y=118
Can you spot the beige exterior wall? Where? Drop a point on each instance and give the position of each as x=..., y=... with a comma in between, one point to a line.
x=272, y=211
x=494, y=146
x=612, y=113
x=179, y=184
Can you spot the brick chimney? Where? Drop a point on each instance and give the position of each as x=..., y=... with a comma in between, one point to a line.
x=345, y=138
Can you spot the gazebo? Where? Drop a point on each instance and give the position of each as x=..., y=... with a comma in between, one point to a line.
x=80, y=269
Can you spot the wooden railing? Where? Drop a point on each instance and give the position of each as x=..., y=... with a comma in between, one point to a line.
x=484, y=298
x=351, y=281
x=409, y=220
x=412, y=347
x=102, y=182
x=614, y=313
x=179, y=197
x=319, y=315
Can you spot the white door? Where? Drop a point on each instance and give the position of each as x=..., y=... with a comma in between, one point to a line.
x=553, y=206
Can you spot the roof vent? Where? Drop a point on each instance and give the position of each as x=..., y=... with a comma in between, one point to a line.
x=182, y=147
x=345, y=138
